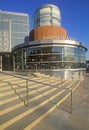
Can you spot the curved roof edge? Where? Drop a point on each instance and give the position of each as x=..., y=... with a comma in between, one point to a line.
x=65, y=42
x=48, y=5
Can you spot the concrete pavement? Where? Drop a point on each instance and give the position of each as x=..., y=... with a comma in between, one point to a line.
x=63, y=120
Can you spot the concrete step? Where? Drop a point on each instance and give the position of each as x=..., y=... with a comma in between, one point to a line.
x=23, y=95
x=8, y=106
x=18, y=114
x=31, y=116
x=5, y=88
x=43, y=99
x=7, y=95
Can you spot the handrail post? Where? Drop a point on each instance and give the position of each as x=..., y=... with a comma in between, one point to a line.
x=71, y=101
x=27, y=101
x=13, y=63
x=84, y=81
x=61, y=79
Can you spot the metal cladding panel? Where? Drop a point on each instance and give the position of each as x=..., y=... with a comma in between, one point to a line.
x=47, y=15
x=49, y=32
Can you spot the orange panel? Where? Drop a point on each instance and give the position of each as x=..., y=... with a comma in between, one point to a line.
x=48, y=32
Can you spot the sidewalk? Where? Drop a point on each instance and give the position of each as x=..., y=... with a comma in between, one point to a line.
x=63, y=120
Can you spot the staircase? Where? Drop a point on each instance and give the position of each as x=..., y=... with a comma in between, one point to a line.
x=45, y=93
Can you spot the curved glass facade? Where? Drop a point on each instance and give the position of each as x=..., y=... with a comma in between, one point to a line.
x=50, y=49
x=51, y=57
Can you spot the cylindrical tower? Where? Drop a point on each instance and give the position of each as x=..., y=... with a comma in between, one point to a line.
x=50, y=50
x=47, y=15
x=47, y=22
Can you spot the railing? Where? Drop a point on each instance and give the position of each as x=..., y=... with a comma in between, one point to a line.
x=25, y=77
x=71, y=99
x=18, y=86
x=27, y=87
x=86, y=79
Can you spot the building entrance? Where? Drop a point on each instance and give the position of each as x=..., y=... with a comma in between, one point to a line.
x=6, y=62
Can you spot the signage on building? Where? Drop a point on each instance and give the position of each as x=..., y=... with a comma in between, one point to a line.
x=53, y=37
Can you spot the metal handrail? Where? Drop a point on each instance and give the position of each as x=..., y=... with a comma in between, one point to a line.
x=12, y=84
x=27, y=86
x=27, y=80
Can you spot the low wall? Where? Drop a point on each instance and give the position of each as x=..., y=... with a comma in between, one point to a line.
x=66, y=73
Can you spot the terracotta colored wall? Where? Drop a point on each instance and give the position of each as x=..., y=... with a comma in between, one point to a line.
x=49, y=32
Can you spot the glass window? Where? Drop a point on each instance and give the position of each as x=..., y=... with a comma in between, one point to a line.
x=68, y=50
x=35, y=50
x=57, y=49
x=4, y=25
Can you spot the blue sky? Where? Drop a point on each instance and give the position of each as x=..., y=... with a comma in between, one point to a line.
x=75, y=14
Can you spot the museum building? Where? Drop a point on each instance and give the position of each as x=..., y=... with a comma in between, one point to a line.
x=49, y=49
